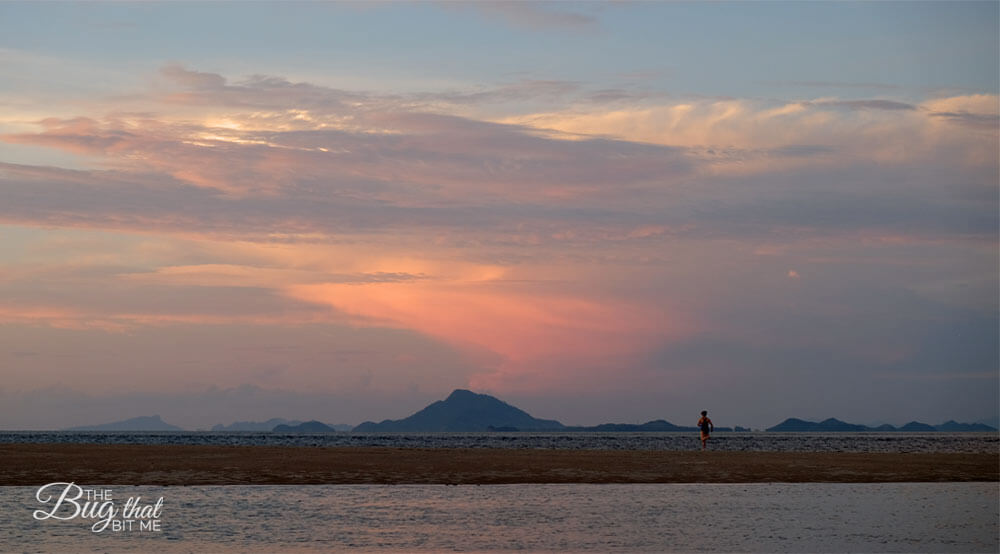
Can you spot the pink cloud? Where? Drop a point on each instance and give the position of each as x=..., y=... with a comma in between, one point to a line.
x=553, y=338
x=552, y=250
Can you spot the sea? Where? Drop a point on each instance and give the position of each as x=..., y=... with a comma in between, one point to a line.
x=747, y=442
x=761, y=517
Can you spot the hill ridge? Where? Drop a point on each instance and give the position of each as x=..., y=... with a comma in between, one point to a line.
x=833, y=425
x=463, y=410
x=140, y=423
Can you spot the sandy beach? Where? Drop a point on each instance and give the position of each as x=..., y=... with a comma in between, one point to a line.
x=34, y=464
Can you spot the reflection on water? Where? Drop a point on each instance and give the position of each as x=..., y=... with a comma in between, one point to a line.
x=897, y=517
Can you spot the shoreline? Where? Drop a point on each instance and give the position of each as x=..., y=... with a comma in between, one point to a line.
x=38, y=464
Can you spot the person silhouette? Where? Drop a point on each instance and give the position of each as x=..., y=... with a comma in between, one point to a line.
x=706, y=427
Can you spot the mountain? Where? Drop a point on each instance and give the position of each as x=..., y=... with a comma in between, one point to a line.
x=793, y=425
x=463, y=411
x=657, y=425
x=917, y=427
x=307, y=427
x=143, y=423
x=954, y=427
x=255, y=425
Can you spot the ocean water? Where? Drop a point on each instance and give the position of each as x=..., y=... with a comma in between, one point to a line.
x=896, y=517
x=759, y=442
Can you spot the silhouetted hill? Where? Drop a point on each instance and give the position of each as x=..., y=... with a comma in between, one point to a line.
x=463, y=411
x=658, y=425
x=255, y=425
x=953, y=427
x=142, y=423
x=655, y=425
x=794, y=425
x=917, y=427
x=832, y=425
x=307, y=427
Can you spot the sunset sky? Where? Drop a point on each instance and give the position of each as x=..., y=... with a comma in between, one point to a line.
x=594, y=211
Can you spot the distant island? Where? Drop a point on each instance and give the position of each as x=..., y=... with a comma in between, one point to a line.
x=658, y=425
x=470, y=412
x=281, y=425
x=466, y=411
x=833, y=425
x=255, y=425
x=307, y=427
x=143, y=423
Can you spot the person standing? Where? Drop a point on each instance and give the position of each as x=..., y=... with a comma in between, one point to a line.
x=706, y=427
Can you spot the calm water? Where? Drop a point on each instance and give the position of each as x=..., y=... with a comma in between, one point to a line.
x=897, y=517
x=776, y=442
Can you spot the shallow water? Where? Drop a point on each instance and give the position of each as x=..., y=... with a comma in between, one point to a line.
x=897, y=517
x=758, y=442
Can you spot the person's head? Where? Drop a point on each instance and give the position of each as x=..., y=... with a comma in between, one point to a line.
x=704, y=412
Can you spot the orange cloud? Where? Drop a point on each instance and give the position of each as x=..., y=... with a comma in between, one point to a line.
x=745, y=136
x=532, y=333
x=59, y=317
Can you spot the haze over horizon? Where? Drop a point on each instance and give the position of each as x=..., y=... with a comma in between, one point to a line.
x=486, y=410
x=596, y=212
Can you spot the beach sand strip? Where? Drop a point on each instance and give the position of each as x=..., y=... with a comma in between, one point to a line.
x=37, y=464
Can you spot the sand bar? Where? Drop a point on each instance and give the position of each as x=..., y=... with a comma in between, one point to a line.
x=36, y=464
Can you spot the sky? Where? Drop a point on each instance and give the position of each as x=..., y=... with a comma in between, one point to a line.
x=598, y=212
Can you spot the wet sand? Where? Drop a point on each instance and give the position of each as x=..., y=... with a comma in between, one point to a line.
x=36, y=464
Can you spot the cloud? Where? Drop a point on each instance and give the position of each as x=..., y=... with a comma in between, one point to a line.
x=834, y=84
x=185, y=87
x=300, y=160
x=555, y=249
x=985, y=122
x=864, y=104
x=970, y=103
x=538, y=16
x=979, y=111
x=736, y=136
x=196, y=80
x=231, y=275
x=39, y=299
x=365, y=158
x=521, y=91
x=523, y=329
x=81, y=135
